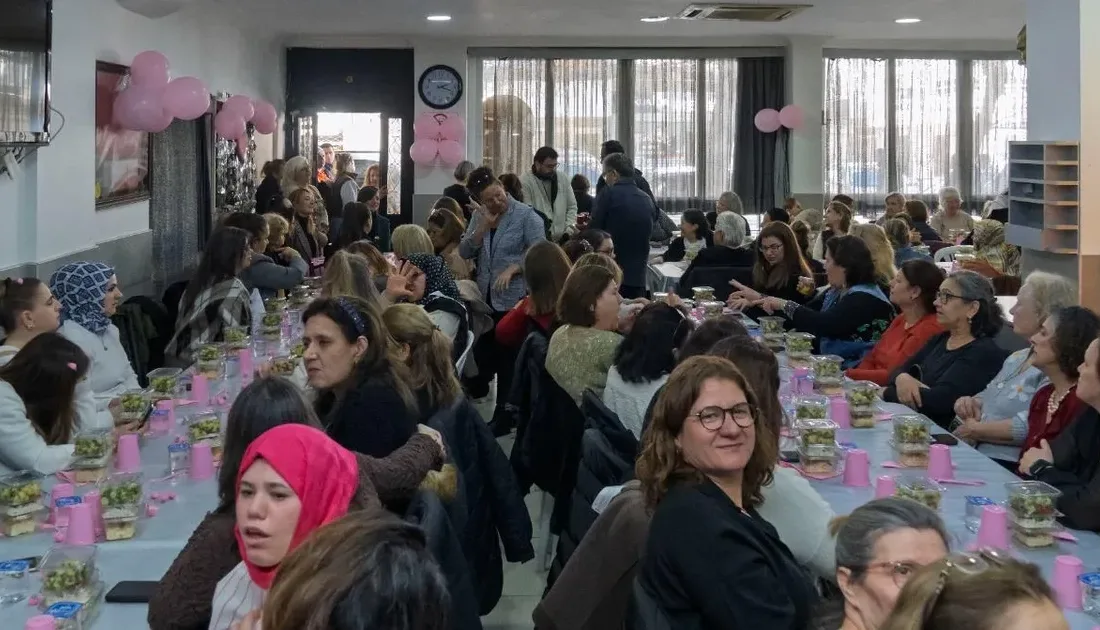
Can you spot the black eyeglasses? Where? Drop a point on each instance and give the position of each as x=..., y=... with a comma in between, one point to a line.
x=771, y=248
x=712, y=418
x=944, y=296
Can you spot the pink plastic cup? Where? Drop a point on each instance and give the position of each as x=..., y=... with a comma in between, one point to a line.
x=163, y=417
x=92, y=499
x=81, y=529
x=939, y=462
x=40, y=622
x=200, y=389
x=857, y=468
x=1066, y=581
x=246, y=366
x=885, y=486
x=202, y=461
x=59, y=491
x=839, y=412
x=993, y=528
x=129, y=453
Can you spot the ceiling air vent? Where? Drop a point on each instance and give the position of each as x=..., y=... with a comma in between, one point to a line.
x=742, y=12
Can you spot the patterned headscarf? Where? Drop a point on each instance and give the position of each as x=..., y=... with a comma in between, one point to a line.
x=80, y=288
x=437, y=276
x=988, y=234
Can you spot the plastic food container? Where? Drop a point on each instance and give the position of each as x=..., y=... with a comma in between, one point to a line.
x=911, y=431
x=300, y=296
x=921, y=490
x=799, y=345
x=69, y=575
x=1090, y=593
x=298, y=349
x=67, y=615
x=284, y=365
x=92, y=454
x=660, y=296
x=237, y=338
x=313, y=282
x=712, y=309
x=271, y=326
x=133, y=405
x=14, y=581
x=815, y=463
x=829, y=375
x=862, y=398
x=772, y=327
x=818, y=437
x=703, y=294
x=811, y=408
x=164, y=383
x=275, y=305
x=121, y=497
x=1033, y=504
x=210, y=361
x=206, y=427
x=21, y=506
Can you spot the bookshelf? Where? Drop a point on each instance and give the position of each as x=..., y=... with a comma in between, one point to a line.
x=1043, y=195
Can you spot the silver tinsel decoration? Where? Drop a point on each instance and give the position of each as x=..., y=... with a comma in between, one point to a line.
x=236, y=176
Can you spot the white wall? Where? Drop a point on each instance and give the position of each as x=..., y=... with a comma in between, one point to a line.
x=53, y=202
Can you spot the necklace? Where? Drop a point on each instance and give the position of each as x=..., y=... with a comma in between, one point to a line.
x=1055, y=401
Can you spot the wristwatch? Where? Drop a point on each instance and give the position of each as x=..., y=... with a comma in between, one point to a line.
x=1039, y=467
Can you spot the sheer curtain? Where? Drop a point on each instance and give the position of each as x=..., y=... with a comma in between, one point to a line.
x=586, y=93
x=514, y=112
x=1000, y=115
x=854, y=139
x=721, y=121
x=665, y=129
x=926, y=108
x=22, y=91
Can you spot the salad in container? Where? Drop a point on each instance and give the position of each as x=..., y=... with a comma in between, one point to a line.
x=284, y=365
x=300, y=295
x=818, y=464
x=237, y=338
x=862, y=398
x=829, y=375
x=712, y=309
x=275, y=304
x=912, y=437
x=799, y=345
x=1033, y=508
x=811, y=407
x=702, y=294
x=210, y=361
x=164, y=383
x=21, y=504
x=206, y=427
x=920, y=489
x=120, y=496
x=298, y=349
x=133, y=405
x=69, y=575
x=772, y=327
x=271, y=326
x=92, y=453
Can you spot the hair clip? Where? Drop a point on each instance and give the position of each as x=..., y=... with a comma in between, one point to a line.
x=72, y=366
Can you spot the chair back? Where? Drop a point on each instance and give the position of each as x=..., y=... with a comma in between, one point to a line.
x=598, y=416
x=460, y=365
x=942, y=251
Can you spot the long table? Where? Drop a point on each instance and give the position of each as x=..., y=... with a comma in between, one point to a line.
x=969, y=465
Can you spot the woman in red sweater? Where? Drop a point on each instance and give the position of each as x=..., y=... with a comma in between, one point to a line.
x=1057, y=350
x=913, y=291
x=545, y=267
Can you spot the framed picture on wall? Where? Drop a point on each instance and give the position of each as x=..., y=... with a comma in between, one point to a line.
x=123, y=158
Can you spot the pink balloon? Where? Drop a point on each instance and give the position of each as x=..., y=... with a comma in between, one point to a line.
x=451, y=152
x=429, y=126
x=242, y=105
x=186, y=98
x=229, y=124
x=792, y=117
x=266, y=118
x=149, y=69
x=767, y=120
x=423, y=151
x=139, y=108
x=453, y=129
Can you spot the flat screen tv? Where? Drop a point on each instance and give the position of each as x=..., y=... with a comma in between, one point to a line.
x=25, y=42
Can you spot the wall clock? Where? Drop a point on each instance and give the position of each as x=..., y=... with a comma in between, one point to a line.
x=440, y=87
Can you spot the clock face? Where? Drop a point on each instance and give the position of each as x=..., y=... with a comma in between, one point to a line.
x=440, y=87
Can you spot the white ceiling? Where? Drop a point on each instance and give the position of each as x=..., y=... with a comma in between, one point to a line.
x=957, y=21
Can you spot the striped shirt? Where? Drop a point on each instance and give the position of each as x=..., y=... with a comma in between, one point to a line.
x=235, y=596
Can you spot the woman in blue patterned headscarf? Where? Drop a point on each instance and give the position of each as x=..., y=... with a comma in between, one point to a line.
x=89, y=296
x=438, y=295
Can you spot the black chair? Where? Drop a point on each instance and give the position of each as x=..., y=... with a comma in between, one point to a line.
x=598, y=416
x=716, y=277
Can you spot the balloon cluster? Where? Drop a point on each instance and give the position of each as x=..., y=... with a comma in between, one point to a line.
x=438, y=135
x=152, y=100
x=770, y=120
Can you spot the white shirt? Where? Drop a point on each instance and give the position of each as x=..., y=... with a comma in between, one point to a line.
x=235, y=596
x=801, y=518
x=88, y=415
x=21, y=447
x=630, y=401
x=110, y=373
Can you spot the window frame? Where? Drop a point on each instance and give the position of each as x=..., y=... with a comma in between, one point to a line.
x=964, y=94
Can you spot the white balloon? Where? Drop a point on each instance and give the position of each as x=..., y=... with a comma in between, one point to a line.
x=154, y=9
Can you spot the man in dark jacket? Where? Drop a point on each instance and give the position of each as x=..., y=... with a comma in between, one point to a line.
x=614, y=146
x=626, y=213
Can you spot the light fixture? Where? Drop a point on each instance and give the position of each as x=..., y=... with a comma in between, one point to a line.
x=907, y=20
x=439, y=18
x=655, y=19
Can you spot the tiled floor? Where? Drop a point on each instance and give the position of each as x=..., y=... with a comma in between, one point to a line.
x=523, y=583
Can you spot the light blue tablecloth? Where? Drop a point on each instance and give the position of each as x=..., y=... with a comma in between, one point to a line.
x=969, y=464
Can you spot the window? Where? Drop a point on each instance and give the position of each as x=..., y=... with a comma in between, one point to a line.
x=855, y=135
x=927, y=127
x=586, y=95
x=665, y=141
x=999, y=88
x=514, y=118
x=721, y=83
x=359, y=134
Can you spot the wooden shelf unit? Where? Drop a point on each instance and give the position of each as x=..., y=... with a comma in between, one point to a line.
x=1043, y=196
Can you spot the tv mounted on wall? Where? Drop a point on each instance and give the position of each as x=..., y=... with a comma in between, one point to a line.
x=25, y=44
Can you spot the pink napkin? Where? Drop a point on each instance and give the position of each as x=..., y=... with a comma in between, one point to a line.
x=961, y=482
x=882, y=416
x=1064, y=535
x=67, y=476
x=891, y=465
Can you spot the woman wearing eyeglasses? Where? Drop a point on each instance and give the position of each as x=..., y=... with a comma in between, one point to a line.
x=958, y=362
x=779, y=271
x=879, y=547
x=711, y=561
x=977, y=591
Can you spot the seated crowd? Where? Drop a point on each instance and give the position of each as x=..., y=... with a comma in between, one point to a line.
x=366, y=491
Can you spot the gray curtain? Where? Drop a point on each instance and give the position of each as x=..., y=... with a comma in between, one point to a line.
x=174, y=205
x=760, y=85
